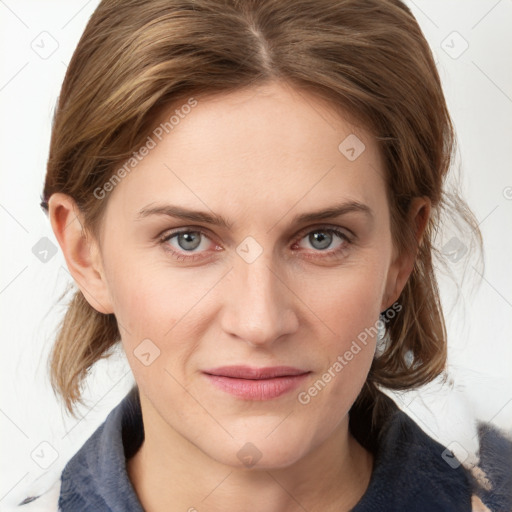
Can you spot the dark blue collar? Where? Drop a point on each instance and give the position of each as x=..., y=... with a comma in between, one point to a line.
x=95, y=479
x=410, y=473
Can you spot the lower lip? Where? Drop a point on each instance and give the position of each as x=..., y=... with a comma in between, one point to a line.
x=261, y=389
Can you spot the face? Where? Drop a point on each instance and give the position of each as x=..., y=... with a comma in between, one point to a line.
x=256, y=282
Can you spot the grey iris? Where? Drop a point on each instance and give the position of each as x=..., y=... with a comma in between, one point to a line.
x=189, y=240
x=320, y=239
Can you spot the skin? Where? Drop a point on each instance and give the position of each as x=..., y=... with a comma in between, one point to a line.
x=258, y=158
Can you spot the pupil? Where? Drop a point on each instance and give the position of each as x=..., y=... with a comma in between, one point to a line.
x=320, y=240
x=189, y=240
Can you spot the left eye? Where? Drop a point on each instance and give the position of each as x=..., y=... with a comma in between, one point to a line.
x=186, y=240
x=322, y=239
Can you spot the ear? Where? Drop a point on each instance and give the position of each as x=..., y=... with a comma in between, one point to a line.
x=80, y=250
x=403, y=264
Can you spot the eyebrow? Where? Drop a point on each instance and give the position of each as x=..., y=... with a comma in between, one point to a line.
x=217, y=220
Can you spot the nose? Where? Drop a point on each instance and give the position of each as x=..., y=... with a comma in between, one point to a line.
x=258, y=306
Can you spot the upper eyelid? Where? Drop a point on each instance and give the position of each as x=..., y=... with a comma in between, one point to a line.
x=325, y=227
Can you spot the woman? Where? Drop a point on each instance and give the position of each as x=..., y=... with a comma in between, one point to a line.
x=246, y=195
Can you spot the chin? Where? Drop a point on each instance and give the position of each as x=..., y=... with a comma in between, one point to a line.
x=262, y=448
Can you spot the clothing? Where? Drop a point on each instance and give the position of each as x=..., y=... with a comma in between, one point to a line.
x=410, y=472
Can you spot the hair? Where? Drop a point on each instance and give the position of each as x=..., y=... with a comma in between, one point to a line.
x=368, y=59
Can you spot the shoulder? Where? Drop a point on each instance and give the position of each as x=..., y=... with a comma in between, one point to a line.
x=410, y=472
x=424, y=465
x=414, y=470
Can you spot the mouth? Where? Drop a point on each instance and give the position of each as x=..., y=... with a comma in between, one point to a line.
x=256, y=383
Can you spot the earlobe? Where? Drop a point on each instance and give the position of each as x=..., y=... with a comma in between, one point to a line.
x=80, y=250
x=403, y=264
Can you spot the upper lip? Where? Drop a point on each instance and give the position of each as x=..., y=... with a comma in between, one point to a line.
x=248, y=372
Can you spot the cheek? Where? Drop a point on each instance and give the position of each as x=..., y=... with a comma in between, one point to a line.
x=349, y=299
x=140, y=307
x=147, y=294
x=347, y=357
x=347, y=308
x=160, y=312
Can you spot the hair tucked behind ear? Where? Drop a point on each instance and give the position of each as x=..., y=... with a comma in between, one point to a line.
x=85, y=336
x=367, y=58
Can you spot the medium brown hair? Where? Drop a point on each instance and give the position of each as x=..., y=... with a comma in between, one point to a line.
x=367, y=58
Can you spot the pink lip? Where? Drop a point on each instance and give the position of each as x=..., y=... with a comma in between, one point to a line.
x=256, y=383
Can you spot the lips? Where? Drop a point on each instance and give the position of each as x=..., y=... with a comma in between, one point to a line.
x=246, y=372
x=256, y=383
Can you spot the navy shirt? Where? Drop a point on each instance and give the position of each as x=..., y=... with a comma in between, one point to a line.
x=409, y=474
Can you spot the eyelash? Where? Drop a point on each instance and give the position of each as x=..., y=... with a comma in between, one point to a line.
x=324, y=254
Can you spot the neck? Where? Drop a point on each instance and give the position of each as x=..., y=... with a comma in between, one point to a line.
x=169, y=473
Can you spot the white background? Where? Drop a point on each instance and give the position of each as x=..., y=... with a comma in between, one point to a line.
x=478, y=87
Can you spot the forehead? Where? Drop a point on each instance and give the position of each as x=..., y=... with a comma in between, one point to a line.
x=262, y=150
